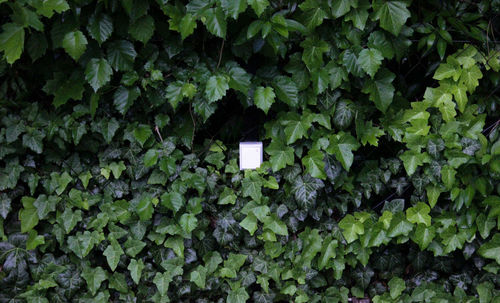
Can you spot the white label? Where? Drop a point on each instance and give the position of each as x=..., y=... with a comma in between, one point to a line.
x=250, y=155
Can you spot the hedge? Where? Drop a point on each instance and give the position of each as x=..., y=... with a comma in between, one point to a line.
x=119, y=129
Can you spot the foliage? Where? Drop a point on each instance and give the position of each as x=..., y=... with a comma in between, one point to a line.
x=119, y=127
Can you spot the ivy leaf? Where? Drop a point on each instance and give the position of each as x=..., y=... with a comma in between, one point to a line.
x=351, y=228
x=306, y=190
x=216, y=22
x=12, y=41
x=419, y=214
x=381, y=89
x=227, y=197
x=94, y=277
x=135, y=267
x=97, y=73
x=342, y=145
x=491, y=249
x=249, y=223
x=162, y=281
x=424, y=235
x=314, y=164
x=216, y=88
x=28, y=218
x=370, y=59
x=259, y=6
x=133, y=247
x=234, y=7
x=142, y=29
x=75, y=44
x=313, y=52
x=286, y=90
x=399, y=226
x=121, y=55
x=187, y=25
x=113, y=253
x=69, y=219
x=238, y=295
x=392, y=15
x=82, y=244
x=412, y=159
x=340, y=8
x=281, y=155
x=275, y=225
x=448, y=176
x=264, y=98
x=188, y=223
x=173, y=201
x=45, y=205
x=142, y=133
x=5, y=205
x=145, y=208
x=123, y=98
x=251, y=187
x=396, y=286
x=198, y=276
x=47, y=8
x=100, y=27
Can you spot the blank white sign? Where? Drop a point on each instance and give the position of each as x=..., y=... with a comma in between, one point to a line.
x=250, y=155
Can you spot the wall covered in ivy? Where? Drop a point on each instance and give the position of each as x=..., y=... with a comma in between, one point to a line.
x=119, y=129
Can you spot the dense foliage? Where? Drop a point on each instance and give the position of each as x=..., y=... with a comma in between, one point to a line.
x=119, y=130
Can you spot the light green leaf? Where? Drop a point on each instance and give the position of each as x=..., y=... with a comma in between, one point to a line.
x=133, y=246
x=135, y=267
x=97, y=73
x=281, y=155
x=238, y=295
x=198, y=276
x=424, y=235
x=264, y=98
x=370, y=59
x=188, y=222
x=12, y=41
x=162, y=281
x=315, y=166
x=145, y=208
x=275, y=225
x=34, y=239
x=113, y=253
x=259, y=6
x=396, y=286
x=216, y=22
x=351, y=228
x=187, y=25
x=419, y=214
x=227, y=197
x=412, y=160
x=216, y=88
x=75, y=44
x=249, y=223
x=94, y=277
x=448, y=176
x=234, y=7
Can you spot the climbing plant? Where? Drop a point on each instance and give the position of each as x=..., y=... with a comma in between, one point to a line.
x=119, y=129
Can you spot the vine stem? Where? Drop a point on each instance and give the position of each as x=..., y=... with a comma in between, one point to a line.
x=220, y=53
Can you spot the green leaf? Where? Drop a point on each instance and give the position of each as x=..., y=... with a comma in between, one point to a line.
x=68, y=219
x=28, y=215
x=424, y=235
x=341, y=7
x=392, y=14
x=216, y=22
x=381, y=89
x=123, y=98
x=145, y=208
x=121, y=55
x=75, y=44
x=48, y=7
x=315, y=166
x=98, y=73
x=187, y=25
x=227, y=197
x=448, y=176
x=370, y=60
x=142, y=133
x=34, y=240
x=396, y=286
x=412, y=159
x=313, y=52
x=342, y=145
x=249, y=223
x=286, y=90
x=82, y=244
x=251, y=187
x=259, y=6
x=135, y=267
x=188, y=223
x=491, y=249
x=94, y=277
x=45, y=205
x=5, y=205
x=113, y=253
x=275, y=225
x=216, y=88
x=142, y=29
x=433, y=193
x=264, y=98
x=281, y=155
x=151, y=157
x=12, y=41
x=419, y=214
x=100, y=27
x=238, y=295
x=162, y=281
x=351, y=228
x=234, y=7
x=108, y=128
x=198, y=276
x=399, y=226
x=133, y=247
x=328, y=252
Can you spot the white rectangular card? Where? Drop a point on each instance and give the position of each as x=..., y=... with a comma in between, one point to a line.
x=251, y=154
